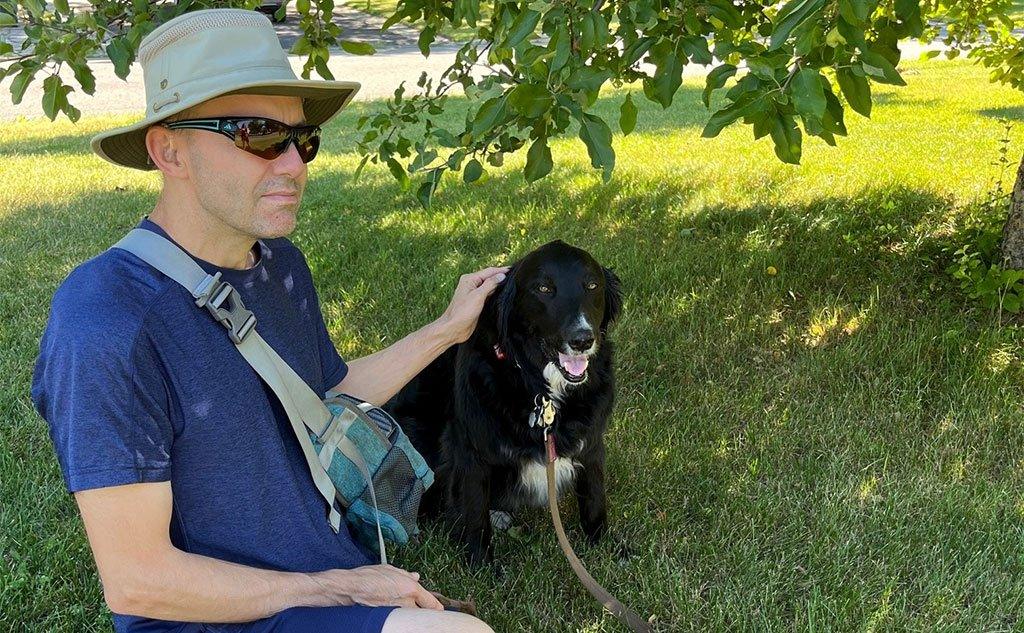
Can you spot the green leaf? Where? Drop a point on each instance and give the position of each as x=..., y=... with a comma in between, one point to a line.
x=301, y=46
x=880, y=68
x=786, y=136
x=425, y=193
x=538, y=160
x=53, y=96
x=808, y=95
x=490, y=114
x=473, y=171
x=531, y=100
x=594, y=132
x=357, y=48
x=524, y=25
x=20, y=83
x=747, y=104
x=791, y=16
x=73, y=113
x=854, y=11
x=725, y=11
x=697, y=49
x=590, y=80
x=670, y=60
x=715, y=80
x=118, y=53
x=423, y=159
x=398, y=172
x=359, y=169
x=856, y=90
x=425, y=39
x=6, y=19
x=85, y=77
x=627, y=115
x=833, y=119
x=302, y=6
x=559, y=44
x=321, y=67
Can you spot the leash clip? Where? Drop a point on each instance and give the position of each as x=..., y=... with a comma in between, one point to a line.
x=549, y=443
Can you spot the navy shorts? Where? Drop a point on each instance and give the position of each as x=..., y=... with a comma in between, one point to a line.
x=354, y=619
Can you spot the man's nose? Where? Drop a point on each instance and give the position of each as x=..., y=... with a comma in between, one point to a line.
x=290, y=162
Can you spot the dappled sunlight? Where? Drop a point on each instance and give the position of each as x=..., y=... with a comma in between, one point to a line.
x=792, y=359
x=829, y=325
x=867, y=490
x=1002, y=357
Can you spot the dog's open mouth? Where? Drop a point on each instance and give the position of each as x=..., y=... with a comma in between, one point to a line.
x=573, y=367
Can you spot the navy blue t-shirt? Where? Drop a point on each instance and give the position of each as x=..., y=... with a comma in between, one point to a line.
x=138, y=384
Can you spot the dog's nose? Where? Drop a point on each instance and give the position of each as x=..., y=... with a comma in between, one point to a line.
x=581, y=341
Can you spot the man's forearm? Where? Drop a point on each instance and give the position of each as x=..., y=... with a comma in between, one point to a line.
x=192, y=588
x=379, y=376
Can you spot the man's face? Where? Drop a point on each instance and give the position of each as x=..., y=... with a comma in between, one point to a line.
x=235, y=186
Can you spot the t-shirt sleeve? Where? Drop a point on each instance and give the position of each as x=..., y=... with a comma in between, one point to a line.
x=105, y=398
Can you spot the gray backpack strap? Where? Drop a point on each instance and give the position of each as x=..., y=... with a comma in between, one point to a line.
x=302, y=405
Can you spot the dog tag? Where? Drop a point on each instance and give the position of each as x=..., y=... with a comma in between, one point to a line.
x=543, y=413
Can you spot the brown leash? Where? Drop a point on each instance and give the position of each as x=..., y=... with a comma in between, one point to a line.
x=465, y=606
x=619, y=610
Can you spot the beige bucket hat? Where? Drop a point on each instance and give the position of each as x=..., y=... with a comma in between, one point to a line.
x=209, y=53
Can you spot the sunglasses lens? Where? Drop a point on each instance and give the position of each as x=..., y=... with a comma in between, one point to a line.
x=308, y=143
x=269, y=139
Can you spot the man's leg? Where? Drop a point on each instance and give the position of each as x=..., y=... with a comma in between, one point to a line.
x=429, y=621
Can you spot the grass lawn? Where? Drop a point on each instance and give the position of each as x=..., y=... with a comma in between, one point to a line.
x=838, y=446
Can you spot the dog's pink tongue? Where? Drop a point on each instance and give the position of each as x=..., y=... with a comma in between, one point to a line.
x=575, y=365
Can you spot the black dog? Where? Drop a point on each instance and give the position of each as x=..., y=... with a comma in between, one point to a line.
x=544, y=331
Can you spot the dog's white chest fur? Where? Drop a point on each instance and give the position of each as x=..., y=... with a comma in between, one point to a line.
x=533, y=479
x=557, y=384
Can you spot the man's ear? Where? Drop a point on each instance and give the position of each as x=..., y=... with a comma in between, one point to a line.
x=612, y=298
x=165, y=149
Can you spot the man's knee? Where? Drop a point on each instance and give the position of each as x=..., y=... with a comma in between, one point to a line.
x=429, y=621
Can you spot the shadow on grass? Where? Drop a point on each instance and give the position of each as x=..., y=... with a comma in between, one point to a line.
x=706, y=329
x=1015, y=113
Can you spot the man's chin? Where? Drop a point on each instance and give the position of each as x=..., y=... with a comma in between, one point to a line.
x=277, y=221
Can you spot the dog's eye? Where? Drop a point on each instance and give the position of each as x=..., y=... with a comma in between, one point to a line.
x=592, y=285
x=544, y=289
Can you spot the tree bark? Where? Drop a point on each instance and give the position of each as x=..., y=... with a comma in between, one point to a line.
x=1012, y=245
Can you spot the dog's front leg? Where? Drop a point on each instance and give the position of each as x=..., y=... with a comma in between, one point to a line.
x=590, y=493
x=470, y=501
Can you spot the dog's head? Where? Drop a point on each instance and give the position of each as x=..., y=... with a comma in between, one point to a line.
x=557, y=303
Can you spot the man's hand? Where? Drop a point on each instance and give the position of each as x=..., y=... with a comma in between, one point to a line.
x=464, y=310
x=376, y=586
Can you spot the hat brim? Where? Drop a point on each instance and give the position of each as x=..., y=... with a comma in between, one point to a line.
x=321, y=100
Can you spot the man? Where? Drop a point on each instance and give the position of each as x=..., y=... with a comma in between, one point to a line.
x=196, y=498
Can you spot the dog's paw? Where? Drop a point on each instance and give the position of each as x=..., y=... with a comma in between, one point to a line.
x=501, y=521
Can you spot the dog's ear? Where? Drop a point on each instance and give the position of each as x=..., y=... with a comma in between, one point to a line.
x=505, y=299
x=612, y=298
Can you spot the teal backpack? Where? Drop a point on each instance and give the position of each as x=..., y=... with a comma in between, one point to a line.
x=357, y=453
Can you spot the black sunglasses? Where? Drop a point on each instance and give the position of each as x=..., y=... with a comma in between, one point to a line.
x=262, y=137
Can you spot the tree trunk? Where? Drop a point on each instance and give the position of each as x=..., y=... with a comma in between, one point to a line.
x=1012, y=245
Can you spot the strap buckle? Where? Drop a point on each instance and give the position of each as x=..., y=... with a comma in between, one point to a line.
x=212, y=293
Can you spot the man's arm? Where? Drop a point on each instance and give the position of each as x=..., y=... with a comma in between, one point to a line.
x=379, y=376
x=144, y=574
